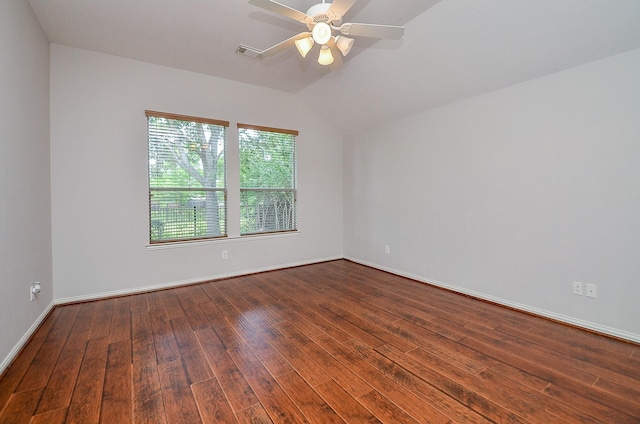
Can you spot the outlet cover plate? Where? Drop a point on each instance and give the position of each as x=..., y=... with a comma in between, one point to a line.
x=577, y=288
x=592, y=290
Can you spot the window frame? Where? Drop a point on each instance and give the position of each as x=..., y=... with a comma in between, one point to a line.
x=152, y=190
x=293, y=190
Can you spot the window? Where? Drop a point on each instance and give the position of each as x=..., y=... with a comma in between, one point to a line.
x=187, y=177
x=267, y=179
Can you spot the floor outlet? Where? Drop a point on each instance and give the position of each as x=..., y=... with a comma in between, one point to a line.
x=577, y=288
x=592, y=290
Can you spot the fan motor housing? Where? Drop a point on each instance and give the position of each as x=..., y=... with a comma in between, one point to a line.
x=318, y=13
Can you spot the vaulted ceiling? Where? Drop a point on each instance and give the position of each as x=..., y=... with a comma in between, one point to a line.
x=452, y=49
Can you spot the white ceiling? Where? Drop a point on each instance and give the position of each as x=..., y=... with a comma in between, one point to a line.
x=452, y=49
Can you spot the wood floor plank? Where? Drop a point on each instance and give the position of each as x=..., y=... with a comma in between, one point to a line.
x=165, y=342
x=56, y=416
x=13, y=375
x=344, y=404
x=602, y=412
x=385, y=410
x=632, y=393
x=222, y=326
x=606, y=367
x=21, y=406
x=141, y=325
x=558, y=376
x=274, y=400
x=344, y=325
x=468, y=358
x=286, y=313
x=139, y=302
x=60, y=386
x=448, y=396
x=305, y=366
x=42, y=366
x=254, y=414
x=189, y=297
x=242, y=301
x=211, y=402
x=370, y=328
x=87, y=394
x=121, y=320
x=101, y=325
x=307, y=400
x=170, y=304
x=116, y=404
x=143, y=349
x=485, y=398
x=409, y=402
x=582, y=339
x=231, y=379
x=213, y=293
x=427, y=339
x=247, y=330
x=564, y=412
x=273, y=361
x=328, y=342
x=194, y=361
x=352, y=383
x=180, y=405
x=319, y=321
x=148, y=404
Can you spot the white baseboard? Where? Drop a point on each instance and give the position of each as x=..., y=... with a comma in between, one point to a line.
x=25, y=338
x=172, y=284
x=614, y=332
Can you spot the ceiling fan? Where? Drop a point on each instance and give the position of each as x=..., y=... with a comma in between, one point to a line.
x=322, y=20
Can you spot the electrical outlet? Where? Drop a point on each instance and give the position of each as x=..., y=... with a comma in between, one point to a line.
x=225, y=254
x=577, y=288
x=592, y=290
x=34, y=290
x=386, y=248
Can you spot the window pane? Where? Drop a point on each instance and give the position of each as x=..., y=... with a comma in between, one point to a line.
x=267, y=211
x=267, y=181
x=186, y=179
x=177, y=215
x=267, y=159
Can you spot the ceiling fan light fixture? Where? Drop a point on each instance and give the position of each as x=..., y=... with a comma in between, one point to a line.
x=325, y=57
x=304, y=45
x=344, y=44
x=321, y=33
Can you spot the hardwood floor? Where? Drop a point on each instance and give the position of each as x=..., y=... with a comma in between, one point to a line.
x=326, y=343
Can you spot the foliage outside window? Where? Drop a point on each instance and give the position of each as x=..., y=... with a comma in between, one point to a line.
x=267, y=179
x=187, y=177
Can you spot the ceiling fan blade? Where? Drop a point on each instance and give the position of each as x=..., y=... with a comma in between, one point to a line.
x=280, y=47
x=281, y=9
x=341, y=7
x=372, y=30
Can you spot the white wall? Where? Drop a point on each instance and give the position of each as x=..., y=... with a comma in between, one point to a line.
x=25, y=224
x=512, y=195
x=100, y=186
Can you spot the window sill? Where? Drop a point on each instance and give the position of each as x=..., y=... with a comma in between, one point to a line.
x=221, y=240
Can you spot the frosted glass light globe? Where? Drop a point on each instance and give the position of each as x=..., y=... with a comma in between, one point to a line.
x=321, y=33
